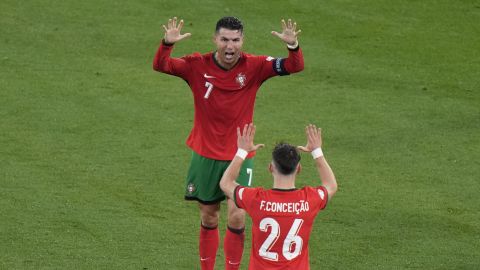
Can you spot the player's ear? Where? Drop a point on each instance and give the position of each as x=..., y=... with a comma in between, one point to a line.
x=299, y=168
x=214, y=37
x=270, y=167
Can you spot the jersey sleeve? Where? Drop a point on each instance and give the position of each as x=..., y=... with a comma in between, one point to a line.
x=282, y=66
x=174, y=66
x=244, y=197
x=319, y=195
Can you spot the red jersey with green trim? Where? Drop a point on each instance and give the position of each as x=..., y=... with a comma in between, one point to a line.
x=223, y=99
x=281, y=224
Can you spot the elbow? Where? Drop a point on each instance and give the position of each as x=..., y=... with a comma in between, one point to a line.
x=298, y=67
x=156, y=65
x=333, y=189
x=301, y=67
x=223, y=186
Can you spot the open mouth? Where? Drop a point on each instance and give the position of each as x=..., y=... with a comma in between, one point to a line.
x=229, y=55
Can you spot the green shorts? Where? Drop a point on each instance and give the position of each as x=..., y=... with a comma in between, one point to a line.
x=204, y=176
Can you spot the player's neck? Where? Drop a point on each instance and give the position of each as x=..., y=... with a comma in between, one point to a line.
x=284, y=182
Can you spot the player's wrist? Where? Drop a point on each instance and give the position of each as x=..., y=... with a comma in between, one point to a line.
x=293, y=46
x=317, y=152
x=241, y=153
x=166, y=43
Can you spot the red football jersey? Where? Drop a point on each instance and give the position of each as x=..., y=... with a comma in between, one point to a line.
x=281, y=224
x=223, y=99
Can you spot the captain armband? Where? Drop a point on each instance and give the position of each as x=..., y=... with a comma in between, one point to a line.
x=279, y=66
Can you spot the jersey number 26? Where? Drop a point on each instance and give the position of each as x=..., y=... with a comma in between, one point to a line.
x=291, y=239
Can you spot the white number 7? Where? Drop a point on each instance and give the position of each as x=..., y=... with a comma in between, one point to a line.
x=250, y=174
x=209, y=89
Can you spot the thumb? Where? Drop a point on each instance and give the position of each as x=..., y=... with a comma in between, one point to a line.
x=275, y=33
x=303, y=148
x=186, y=35
x=258, y=146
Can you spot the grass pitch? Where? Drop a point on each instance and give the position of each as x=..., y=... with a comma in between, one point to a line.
x=92, y=154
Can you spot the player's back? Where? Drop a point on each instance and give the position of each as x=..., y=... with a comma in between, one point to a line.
x=281, y=224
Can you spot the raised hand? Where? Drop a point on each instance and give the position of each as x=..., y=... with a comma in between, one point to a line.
x=314, y=138
x=245, y=138
x=289, y=32
x=172, y=31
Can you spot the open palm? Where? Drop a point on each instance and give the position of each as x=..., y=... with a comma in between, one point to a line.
x=289, y=32
x=173, y=31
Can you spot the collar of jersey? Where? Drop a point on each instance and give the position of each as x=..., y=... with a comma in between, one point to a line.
x=224, y=69
x=284, y=190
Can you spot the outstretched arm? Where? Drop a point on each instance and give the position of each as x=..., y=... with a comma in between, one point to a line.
x=314, y=144
x=162, y=61
x=245, y=145
x=294, y=62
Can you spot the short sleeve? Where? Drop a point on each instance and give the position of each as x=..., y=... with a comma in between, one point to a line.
x=244, y=196
x=319, y=196
x=323, y=194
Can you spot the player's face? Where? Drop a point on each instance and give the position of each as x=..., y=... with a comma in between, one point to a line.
x=229, y=47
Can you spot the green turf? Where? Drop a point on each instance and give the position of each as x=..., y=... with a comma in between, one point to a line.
x=92, y=153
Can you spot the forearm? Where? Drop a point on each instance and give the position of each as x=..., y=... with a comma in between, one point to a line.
x=294, y=63
x=227, y=183
x=162, y=61
x=326, y=175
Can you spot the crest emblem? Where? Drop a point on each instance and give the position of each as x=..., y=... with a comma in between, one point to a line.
x=241, y=79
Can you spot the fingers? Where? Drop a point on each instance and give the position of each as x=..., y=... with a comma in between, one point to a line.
x=245, y=129
x=258, y=146
x=174, y=22
x=180, y=25
x=311, y=132
x=291, y=25
x=303, y=148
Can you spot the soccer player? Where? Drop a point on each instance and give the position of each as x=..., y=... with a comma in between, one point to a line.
x=224, y=84
x=282, y=217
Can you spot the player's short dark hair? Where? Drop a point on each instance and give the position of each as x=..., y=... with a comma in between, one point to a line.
x=286, y=158
x=230, y=23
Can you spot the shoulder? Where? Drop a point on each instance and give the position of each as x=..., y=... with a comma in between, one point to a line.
x=243, y=196
x=247, y=191
x=318, y=191
x=196, y=56
x=257, y=58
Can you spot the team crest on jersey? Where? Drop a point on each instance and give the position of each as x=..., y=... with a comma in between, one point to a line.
x=241, y=79
x=191, y=188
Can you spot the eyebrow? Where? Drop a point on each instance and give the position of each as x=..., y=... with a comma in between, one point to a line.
x=225, y=38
